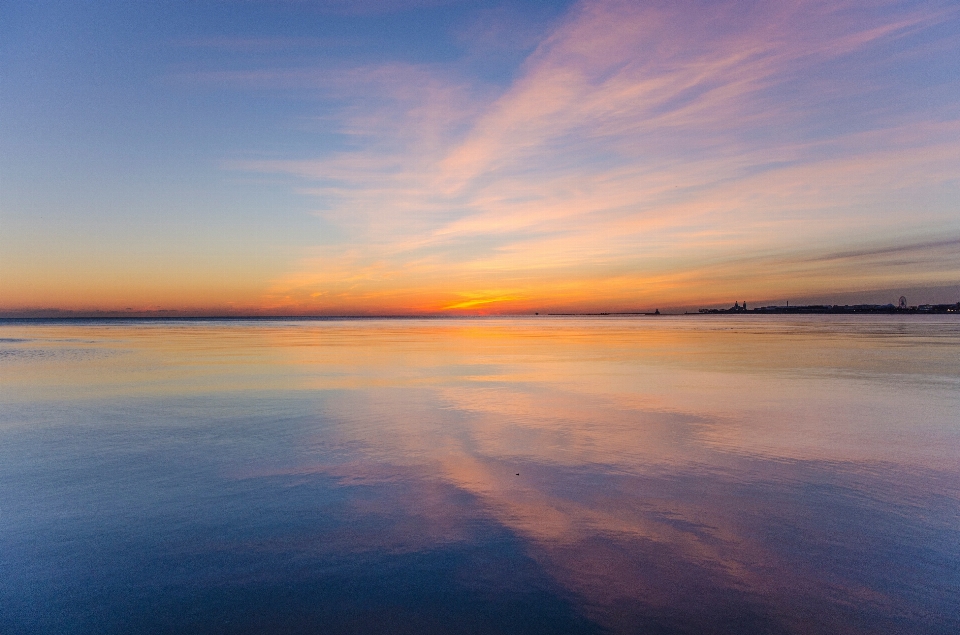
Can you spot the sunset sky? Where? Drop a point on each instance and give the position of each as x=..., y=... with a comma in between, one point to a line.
x=418, y=156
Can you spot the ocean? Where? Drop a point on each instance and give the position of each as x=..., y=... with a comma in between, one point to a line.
x=672, y=474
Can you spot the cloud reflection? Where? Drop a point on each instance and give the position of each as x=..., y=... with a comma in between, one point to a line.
x=659, y=473
x=685, y=475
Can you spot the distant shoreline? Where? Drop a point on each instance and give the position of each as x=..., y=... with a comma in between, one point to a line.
x=835, y=309
x=950, y=309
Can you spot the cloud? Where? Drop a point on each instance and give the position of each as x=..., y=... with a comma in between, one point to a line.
x=638, y=146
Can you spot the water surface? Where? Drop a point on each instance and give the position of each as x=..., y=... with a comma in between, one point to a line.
x=722, y=474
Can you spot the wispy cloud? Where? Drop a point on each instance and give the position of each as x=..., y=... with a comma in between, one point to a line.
x=639, y=146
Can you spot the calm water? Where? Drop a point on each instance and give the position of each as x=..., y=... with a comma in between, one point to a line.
x=532, y=475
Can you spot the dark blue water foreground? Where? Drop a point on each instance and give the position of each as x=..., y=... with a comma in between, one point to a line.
x=552, y=475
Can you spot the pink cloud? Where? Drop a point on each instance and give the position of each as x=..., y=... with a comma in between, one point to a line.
x=638, y=141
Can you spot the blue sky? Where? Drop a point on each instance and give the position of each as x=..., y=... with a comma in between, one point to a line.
x=339, y=157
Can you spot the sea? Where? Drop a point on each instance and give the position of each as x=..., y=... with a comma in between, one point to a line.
x=535, y=474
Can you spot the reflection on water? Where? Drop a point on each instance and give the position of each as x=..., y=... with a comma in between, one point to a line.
x=530, y=475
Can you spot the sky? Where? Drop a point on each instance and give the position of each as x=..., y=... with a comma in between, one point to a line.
x=423, y=156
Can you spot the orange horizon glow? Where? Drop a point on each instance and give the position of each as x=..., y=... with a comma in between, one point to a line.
x=636, y=158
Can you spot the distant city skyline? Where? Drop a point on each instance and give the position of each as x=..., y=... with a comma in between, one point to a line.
x=417, y=156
